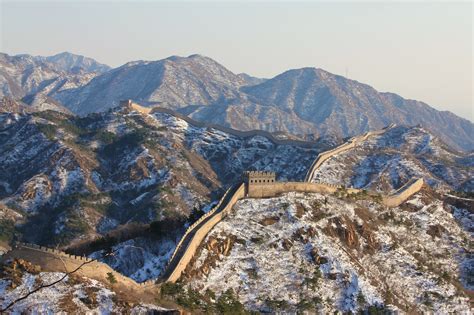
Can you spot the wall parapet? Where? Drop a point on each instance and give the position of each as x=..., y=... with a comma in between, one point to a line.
x=194, y=238
x=50, y=259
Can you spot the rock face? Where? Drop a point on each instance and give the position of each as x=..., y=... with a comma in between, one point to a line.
x=306, y=101
x=327, y=254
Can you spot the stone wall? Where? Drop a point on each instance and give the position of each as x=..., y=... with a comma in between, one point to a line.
x=238, y=133
x=201, y=233
x=57, y=261
x=351, y=143
x=403, y=193
x=274, y=189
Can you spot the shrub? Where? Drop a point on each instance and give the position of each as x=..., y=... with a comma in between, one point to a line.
x=191, y=299
x=308, y=304
x=7, y=230
x=171, y=289
x=129, y=140
x=275, y=305
x=166, y=226
x=228, y=303
x=111, y=278
x=105, y=136
x=312, y=282
x=360, y=298
x=48, y=130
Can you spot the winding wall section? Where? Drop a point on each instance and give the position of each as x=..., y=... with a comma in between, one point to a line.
x=193, y=237
x=54, y=260
x=234, y=132
x=351, y=143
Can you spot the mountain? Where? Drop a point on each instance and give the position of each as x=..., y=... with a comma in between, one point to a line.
x=344, y=107
x=69, y=62
x=250, y=80
x=174, y=82
x=32, y=103
x=122, y=186
x=26, y=75
x=307, y=102
x=384, y=162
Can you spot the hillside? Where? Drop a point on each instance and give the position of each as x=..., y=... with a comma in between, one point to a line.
x=306, y=102
x=346, y=107
x=116, y=172
x=386, y=161
x=319, y=253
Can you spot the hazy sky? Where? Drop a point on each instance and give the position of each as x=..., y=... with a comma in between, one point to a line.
x=419, y=50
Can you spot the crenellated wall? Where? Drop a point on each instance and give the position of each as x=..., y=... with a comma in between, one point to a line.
x=57, y=261
x=54, y=260
x=273, y=189
x=198, y=235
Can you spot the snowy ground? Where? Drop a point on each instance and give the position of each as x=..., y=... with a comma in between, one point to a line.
x=86, y=296
x=372, y=257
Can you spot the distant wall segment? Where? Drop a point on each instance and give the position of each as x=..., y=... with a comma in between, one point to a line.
x=242, y=134
x=351, y=143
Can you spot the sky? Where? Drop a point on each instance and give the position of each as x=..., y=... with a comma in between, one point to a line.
x=421, y=50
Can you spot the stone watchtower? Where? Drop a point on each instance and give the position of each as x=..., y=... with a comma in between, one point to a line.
x=253, y=179
x=125, y=103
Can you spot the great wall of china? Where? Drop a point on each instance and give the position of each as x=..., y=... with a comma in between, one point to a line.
x=53, y=260
x=234, y=132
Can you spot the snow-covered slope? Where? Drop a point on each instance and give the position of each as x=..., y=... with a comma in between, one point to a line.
x=387, y=161
x=77, y=179
x=74, y=294
x=324, y=253
x=173, y=82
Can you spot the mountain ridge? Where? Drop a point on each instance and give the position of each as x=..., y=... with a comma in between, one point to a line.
x=307, y=102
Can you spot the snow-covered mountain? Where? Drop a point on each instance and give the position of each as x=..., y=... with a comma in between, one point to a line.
x=337, y=105
x=69, y=62
x=301, y=101
x=174, y=82
x=26, y=75
x=127, y=182
x=86, y=177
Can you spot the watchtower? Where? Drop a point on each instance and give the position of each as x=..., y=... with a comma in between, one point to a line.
x=125, y=103
x=254, y=179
